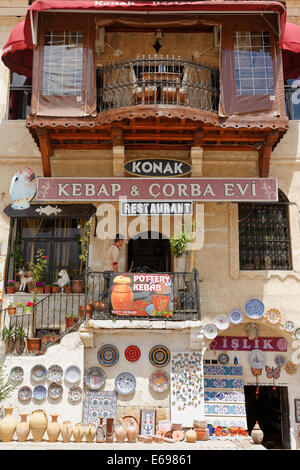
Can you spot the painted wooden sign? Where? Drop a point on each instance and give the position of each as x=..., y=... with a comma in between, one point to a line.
x=157, y=167
x=241, y=343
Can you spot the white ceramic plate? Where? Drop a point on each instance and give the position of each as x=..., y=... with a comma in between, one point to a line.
x=222, y=322
x=257, y=358
x=236, y=316
x=297, y=333
x=210, y=331
x=289, y=326
x=73, y=374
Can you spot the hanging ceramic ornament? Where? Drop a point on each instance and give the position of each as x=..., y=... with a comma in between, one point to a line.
x=252, y=330
x=257, y=358
x=273, y=373
x=290, y=367
x=256, y=373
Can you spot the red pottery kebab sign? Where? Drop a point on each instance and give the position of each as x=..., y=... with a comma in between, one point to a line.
x=151, y=189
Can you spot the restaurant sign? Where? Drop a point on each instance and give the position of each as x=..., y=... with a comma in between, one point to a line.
x=241, y=343
x=156, y=208
x=157, y=167
x=149, y=189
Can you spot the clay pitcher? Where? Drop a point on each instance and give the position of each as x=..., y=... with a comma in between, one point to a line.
x=38, y=423
x=191, y=435
x=120, y=431
x=78, y=432
x=66, y=431
x=257, y=434
x=131, y=430
x=7, y=426
x=53, y=429
x=90, y=432
x=22, y=429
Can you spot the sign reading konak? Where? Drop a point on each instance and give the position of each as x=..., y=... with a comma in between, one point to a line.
x=147, y=189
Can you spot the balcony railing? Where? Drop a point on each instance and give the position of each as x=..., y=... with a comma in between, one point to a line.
x=158, y=81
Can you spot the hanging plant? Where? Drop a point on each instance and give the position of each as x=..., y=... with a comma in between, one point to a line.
x=179, y=242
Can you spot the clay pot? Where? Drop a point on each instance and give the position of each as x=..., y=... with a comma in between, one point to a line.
x=38, y=423
x=53, y=429
x=10, y=289
x=71, y=321
x=78, y=432
x=109, y=430
x=68, y=289
x=55, y=289
x=121, y=297
x=202, y=434
x=90, y=432
x=9, y=345
x=77, y=286
x=11, y=310
x=89, y=310
x=131, y=430
x=257, y=434
x=20, y=346
x=200, y=424
x=120, y=431
x=47, y=289
x=66, y=431
x=22, y=429
x=33, y=344
x=7, y=426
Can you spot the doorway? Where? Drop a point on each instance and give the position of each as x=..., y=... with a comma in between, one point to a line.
x=271, y=410
x=149, y=251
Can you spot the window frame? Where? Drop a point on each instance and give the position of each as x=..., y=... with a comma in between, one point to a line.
x=26, y=101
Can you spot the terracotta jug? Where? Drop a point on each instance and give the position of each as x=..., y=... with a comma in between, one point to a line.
x=22, y=429
x=257, y=434
x=66, y=431
x=109, y=430
x=78, y=432
x=90, y=432
x=53, y=429
x=120, y=431
x=131, y=430
x=38, y=423
x=7, y=426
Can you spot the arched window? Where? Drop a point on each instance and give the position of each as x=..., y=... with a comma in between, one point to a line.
x=264, y=235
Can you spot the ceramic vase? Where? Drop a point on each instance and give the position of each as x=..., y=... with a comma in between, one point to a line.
x=109, y=430
x=38, y=423
x=7, y=426
x=78, y=432
x=53, y=429
x=66, y=431
x=22, y=429
x=90, y=432
x=257, y=434
x=100, y=433
x=120, y=431
x=131, y=430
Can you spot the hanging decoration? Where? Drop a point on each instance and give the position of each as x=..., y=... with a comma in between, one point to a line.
x=252, y=330
x=256, y=373
x=273, y=373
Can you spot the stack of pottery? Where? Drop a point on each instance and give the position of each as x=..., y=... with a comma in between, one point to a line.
x=7, y=426
x=201, y=430
x=66, y=431
x=90, y=432
x=53, y=429
x=78, y=432
x=22, y=429
x=38, y=423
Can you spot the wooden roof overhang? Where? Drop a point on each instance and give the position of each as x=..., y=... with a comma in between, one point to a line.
x=158, y=127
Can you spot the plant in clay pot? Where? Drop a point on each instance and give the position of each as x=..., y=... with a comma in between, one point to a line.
x=38, y=268
x=10, y=287
x=40, y=287
x=179, y=245
x=88, y=310
x=20, y=336
x=48, y=289
x=11, y=309
x=71, y=320
x=8, y=337
x=19, y=308
x=55, y=288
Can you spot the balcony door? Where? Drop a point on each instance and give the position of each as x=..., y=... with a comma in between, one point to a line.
x=149, y=251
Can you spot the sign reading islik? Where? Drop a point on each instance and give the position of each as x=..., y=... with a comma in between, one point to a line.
x=149, y=189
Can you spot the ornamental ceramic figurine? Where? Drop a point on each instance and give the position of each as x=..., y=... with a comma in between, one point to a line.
x=22, y=189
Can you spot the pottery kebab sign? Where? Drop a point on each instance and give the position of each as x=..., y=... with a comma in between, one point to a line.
x=151, y=189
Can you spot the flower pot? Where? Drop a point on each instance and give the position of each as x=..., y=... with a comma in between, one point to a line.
x=68, y=289
x=31, y=290
x=22, y=429
x=99, y=306
x=202, y=434
x=9, y=345
x=66, y=431
x=28, y=309
x=55, y=289
x=53, y=429
x=47, y=289
x=20, y=345
x=70, y=322
x=17, y=286
x=19, y=310
x=10, y=289
x=121, y=297
x=40, y=290
x=11, y=310
x=38, y=423
x=33, y=344
x=7, y=426
x=77, y=286
x=89, y=310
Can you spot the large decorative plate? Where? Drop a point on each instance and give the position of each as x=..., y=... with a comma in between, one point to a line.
x=72, y=374
x=236, y=316
x=55, y=391
x=159, y=356
x=25, y=393
x=210, y=331
x=273, y=316
x=132, y=353
x=38, y=373
x=75, y=393
x=257, y=358
x=222, y=322
x=280, y=360
x=125, y=383
x=223, y=358
x=290, y=367
x=94, y=378
x=108, y=355
x=289, y=326
x=16, y=374
x=297, y=333
x=254, y=308
x=39, y=392
x=55, y=373
x=159, y=381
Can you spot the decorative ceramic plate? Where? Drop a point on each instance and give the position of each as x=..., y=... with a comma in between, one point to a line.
x=210, y=331
x=16, y=374
x=273, y=316
x=290, y=368
x=55, y=373
x=279, y=360
x=297, y=333
x=75, y=393
x=159, y=356
x=254, y=308
x=289, y=326
x=55, y=391
x=108, y=355
x=38, y=373
x=223, y=358
x=25, y=393
x=222, y=322
x=252, y=330
x=39, y=392
x=72, y=374
x=159, y=381
x=125, y=383
x=132, y=353
x=236, y=316
x=94, y=378
x=257, y=358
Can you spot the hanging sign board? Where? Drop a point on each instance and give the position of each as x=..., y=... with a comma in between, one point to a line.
x=151, y=189
x=241, y=343
x=156, y=208
x=156, y=167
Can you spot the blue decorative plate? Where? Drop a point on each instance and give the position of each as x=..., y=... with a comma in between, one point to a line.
x=39, y=392
x=159, y=356
x=72, y=374
x=25, y=393
x=55, y=391
x=236, y=316
x=125, y=383
x=94, y=378
x=254, y=308
x=16, y=374
x=108, y=355
x=223, y=358
x=55, y=373
x=38, y=373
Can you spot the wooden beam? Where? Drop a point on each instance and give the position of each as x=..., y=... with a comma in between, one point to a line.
x=117, y=136
x=46, y=150
x=265, y=153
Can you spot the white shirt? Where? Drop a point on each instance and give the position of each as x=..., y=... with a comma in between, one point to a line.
x=112, y=258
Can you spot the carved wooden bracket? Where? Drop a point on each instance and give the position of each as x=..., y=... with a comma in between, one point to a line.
x=46, y=150
x=265, y=153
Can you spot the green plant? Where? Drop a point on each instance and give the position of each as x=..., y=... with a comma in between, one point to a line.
x=6, y=387
x=11, y=305
x=20, y=333
x=17, y=256
x=180, y=241
x=38, y=269
x=8, y=333
x=71, y=315
x=84, y=241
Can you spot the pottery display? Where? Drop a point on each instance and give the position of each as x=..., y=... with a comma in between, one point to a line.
x=66, y=431
x=90, y=432
x=100, y=433
x=257, y=434
x=109, y=430
x=78, y=432
x=191, y=435
x=16, y=374
x=38, y=423
x=53, y=429
x=131, y=431
x=108, y=355
x=7, y=426
x=125, y=383
x=120, y=431
x=22, y=429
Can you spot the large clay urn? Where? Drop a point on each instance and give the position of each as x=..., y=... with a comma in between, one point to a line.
x=22, y=429
x=7, y=426
x=38, y=423
x=66, y=431
x=53, y=429
x=121, y=297
x=120, y=431
x=131, y=430
x=257, y=434
x=90, y=432
x=78, y=432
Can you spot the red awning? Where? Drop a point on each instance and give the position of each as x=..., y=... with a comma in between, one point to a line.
x=16, y=54
x=291, y=51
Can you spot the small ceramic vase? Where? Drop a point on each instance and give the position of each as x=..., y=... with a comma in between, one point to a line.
x=78, y=432
x=66, y=431
x=120, y=431
x=22, y=429
x=100, y=434
x=257, y=434
x=7, y=426
x=53, y=429
x=90, y=432
x=38, y=423
x=131, y=430
x=109, y=430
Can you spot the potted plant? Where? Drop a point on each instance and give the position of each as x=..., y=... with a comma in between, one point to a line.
x=18, y=261
x=55, y=288
x=8, y=337
x=178, y=246
x=10, y=287
x=11, y=309
x=89, y=310
x=20, y=336
x=19, y=308
x=78, y=282
x=71, y=320
x=40, y=287
x=68, y=289
x=33, y=344
x=48, y=289
x=28, y=307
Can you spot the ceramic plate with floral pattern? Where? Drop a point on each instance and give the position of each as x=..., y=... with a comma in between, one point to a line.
x=273, y=316
x=39, y=392
x=38, y=373
x=254, y=308
x=289, y=326
x=125, y=383
x=95, y=378
x=75, y=393
x=159, y=381
x=72, y=374
x=16, y=374
x=55, y=373
x=55, y=391
x=25, y=393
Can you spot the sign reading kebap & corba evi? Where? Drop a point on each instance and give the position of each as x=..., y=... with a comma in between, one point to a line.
x=147, y=189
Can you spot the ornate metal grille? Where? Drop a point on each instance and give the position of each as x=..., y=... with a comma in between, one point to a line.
x=264, y=236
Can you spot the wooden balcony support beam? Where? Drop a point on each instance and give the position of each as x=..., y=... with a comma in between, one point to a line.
x=45, y=149
x=265, y=152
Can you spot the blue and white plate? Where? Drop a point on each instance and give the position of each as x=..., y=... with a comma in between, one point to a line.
x=25, y=393
x=210, y=331
x=72, y=374
x=38, y=373
x=55, y=391
x=125, y=383
x=39, y=392
x=222, y=322
x=254, y=308
x=236, y=316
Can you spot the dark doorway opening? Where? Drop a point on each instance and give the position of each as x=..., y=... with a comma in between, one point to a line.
x=149, y=251
x=271, y=410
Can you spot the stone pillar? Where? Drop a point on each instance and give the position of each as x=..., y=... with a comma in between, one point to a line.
x=196, y=161
x=118, y=160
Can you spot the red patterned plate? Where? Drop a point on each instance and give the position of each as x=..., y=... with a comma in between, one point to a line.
x=132, y=353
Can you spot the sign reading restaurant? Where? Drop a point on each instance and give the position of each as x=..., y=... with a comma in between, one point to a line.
x=149, y=189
